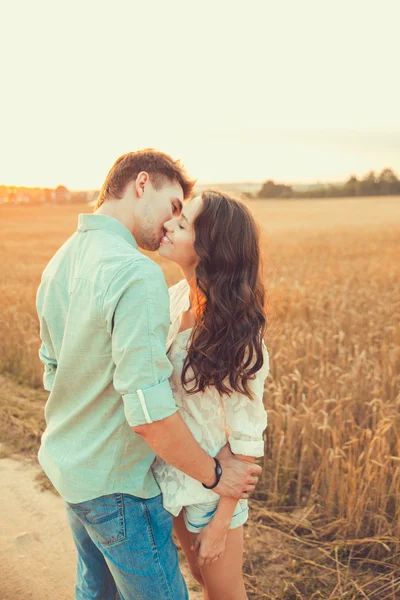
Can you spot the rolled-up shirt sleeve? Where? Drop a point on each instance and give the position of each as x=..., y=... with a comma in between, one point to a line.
x=46, y=352
x=247, y=419
x=138, y=321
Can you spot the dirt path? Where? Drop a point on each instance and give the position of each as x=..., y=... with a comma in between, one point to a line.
x=37, y=554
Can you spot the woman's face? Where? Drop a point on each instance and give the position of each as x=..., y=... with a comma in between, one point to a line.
x=178, y=243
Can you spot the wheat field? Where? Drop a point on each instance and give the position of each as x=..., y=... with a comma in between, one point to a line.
x=326, y=517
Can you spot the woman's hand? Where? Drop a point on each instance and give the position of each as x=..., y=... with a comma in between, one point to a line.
x=209, y=545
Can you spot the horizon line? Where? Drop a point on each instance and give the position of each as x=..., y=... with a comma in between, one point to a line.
x=202, y=183
x=215, y=182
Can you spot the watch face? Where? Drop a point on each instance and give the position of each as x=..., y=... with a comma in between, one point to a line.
x=219, y=470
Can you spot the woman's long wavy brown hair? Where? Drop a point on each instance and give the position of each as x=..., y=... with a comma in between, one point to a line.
x=225, y=348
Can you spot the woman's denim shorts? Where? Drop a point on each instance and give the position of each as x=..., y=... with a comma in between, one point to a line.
x=197, y=516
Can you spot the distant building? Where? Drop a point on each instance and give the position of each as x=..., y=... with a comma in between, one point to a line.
x=63, y=195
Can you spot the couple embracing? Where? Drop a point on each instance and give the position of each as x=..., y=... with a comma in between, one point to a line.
x=155, y=415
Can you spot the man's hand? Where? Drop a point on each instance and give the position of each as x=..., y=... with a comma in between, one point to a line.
x=239, y=477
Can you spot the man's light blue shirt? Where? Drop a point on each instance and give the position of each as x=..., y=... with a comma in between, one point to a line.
x=104, y=317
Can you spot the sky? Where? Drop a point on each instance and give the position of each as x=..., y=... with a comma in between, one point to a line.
x=294, y=91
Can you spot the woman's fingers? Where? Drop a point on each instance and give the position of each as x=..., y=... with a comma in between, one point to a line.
x=206, y=560
x=252, y=481
x=211, y=559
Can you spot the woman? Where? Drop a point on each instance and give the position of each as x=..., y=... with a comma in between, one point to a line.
x=220, y=364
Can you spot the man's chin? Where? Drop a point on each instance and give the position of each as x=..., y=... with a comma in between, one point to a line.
x=150, y=245
x=154, y=247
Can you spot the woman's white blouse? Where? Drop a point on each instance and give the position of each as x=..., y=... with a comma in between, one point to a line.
x=212, y=419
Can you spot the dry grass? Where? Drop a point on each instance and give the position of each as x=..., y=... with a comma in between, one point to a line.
x=326, y=519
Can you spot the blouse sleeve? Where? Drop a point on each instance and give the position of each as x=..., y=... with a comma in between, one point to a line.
x=246, y=419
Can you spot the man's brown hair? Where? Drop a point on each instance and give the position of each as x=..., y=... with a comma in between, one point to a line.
x=160, y=167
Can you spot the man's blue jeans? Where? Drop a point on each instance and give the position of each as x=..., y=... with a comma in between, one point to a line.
x=125, y=550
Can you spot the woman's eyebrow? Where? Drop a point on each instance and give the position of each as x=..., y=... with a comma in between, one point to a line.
x=182, y=215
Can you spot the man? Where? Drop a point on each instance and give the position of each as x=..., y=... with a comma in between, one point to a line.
x=104, y=317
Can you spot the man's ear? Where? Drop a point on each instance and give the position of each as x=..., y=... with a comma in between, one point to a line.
x=140, y=183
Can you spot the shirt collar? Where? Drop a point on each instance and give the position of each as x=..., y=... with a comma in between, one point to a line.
x=104, y=222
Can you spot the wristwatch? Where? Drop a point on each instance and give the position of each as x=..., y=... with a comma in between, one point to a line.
x=218, y=474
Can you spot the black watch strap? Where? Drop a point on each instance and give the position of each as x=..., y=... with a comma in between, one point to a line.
x=218, y=474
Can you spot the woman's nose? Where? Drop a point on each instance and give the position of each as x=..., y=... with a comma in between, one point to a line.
x=168, y=225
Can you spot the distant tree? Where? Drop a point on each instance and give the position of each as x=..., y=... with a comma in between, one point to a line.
x=333, y=192
x=272, y=190
x=351, y=187
x=369, y=185
x=388, y=183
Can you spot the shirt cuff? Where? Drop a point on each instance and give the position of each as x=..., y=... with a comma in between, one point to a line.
x=151, y=404
x=247, y=447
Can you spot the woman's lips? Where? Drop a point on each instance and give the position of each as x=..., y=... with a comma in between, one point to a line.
x=165, y=240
